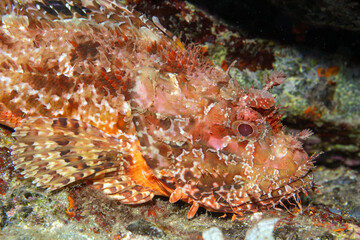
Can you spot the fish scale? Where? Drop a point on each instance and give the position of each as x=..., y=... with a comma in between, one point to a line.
x=96, y=91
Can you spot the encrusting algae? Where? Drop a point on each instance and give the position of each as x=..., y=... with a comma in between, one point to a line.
x=96, y=91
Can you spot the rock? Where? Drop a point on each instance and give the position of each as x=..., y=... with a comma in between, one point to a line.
x=355, y=212
x=263, y=230
x=213, y=233
x=146, y=228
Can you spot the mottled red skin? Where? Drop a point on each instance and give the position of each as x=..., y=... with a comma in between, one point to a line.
x=113, y=98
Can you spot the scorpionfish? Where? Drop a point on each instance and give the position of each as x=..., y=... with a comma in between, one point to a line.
x=95, y=91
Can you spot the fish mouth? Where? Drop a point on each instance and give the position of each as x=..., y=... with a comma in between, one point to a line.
x=238, y=186
x=242, y=198
x=232, y=199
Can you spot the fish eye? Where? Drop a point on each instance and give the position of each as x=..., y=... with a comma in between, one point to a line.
x=243, y=128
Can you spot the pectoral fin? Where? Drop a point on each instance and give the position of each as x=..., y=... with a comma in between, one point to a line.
x=59, y=151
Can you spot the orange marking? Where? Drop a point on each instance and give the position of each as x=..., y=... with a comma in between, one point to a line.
x=296, y=211
x=148, y=48
x=73, y=43
x=320, y=72
x=28, y=67
x=204, y=49
x=118, y=77
x=193, y=210
x=172, y=55
x=332, y=83
x=224, y=65
x=319, y=224
x=70, y=210
x=179, y=43
x=141, y=173
x=152, y=213
x=7, y=118
x=312, y=112
x=118, y=63
x=331, y=71
x=175, y=196
x=340, y=229
x=103, y=73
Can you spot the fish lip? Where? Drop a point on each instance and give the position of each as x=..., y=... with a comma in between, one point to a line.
x=234, y=199
x=264, y=201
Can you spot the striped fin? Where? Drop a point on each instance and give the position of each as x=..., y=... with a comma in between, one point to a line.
x=60, y=151
x=123, y=189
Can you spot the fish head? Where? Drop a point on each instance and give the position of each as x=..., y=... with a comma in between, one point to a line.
x=216, y=144
x=242, y=160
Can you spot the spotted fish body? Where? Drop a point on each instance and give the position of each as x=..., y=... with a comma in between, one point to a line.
x=96, y=91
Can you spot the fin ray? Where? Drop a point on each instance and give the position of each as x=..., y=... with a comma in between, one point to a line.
x=51, y=150
x=124, y=189
x=59, y=151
